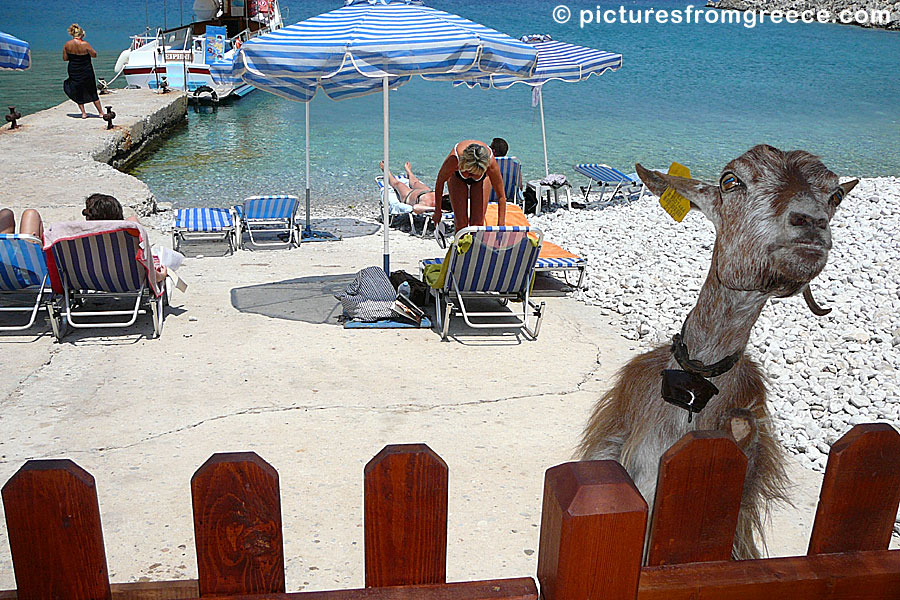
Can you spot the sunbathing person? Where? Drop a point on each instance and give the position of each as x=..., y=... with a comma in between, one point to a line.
x=414, y=197
x=29, y=224
x=103, y=207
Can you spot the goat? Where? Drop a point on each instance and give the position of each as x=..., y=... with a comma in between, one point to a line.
x=771, y=211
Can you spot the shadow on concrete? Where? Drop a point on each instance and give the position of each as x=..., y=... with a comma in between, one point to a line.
x=308, y=299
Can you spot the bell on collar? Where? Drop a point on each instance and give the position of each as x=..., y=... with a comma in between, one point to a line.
x=686, y=390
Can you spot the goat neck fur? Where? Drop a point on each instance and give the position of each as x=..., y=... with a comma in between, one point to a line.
x=771, y=211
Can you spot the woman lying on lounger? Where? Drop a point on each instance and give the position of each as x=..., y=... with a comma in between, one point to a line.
x=29, y=224
x=414, y=197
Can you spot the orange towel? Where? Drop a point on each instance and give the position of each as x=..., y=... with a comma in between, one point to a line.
x=515, y=217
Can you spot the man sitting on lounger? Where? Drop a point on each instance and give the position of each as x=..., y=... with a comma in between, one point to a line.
x=414, y=197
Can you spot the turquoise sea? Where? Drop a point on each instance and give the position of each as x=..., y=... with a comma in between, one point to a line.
x=699, y=94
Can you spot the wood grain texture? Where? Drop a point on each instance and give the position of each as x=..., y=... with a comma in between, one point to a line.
x=237, y=526
x=406, y=517
x=522, y=588
x=592, y=532
x=851, y=576
x=698, y=497
x=860, y=492
x=55, y=536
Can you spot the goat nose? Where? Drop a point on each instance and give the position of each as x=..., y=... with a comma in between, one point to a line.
x=798, y=219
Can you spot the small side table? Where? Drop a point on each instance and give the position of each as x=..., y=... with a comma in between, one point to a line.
x=539, y=193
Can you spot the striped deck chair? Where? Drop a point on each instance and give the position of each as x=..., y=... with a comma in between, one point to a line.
x=445, y=216
x=489, y=262
x=106, y=263
x=607, y=176
x=269, y=214
x=23, y=276
x=511, y=170
x=205, y=224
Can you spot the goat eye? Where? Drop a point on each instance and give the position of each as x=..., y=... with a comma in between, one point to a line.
x=729, y=182
x=837, y=197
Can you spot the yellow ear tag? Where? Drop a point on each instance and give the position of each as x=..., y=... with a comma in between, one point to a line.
x=672, y=202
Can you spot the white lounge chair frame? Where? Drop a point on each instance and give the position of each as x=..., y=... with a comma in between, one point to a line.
x=39, y=294
x=451, y=300
x=73, y=294
x=276, y=225
x=229, y=234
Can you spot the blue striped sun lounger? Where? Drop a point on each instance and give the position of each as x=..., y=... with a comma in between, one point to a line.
x=489, y=262
x=23, y=277
x=102, y=263
x=607, y=176
x=204, y=224
x=271, y=215
x=511, y=171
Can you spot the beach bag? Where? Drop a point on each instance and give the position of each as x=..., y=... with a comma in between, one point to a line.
x=369, y=297
x=418, y=290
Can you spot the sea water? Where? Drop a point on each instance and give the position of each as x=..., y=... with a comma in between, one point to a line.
x=699, y=94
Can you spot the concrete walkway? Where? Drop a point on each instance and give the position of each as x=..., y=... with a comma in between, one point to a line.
x=56, y=158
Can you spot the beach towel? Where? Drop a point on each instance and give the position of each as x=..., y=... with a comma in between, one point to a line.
x=515, y=216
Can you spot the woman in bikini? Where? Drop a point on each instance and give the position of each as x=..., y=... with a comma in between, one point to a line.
x=464, y=171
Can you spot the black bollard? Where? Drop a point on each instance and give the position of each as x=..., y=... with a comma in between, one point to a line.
x=12, y=117
x=109, y=116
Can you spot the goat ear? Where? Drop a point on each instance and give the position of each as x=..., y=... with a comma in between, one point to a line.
x=849, y=185
x=701, y=195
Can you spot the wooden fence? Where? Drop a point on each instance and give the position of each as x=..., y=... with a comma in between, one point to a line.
x=591, y=537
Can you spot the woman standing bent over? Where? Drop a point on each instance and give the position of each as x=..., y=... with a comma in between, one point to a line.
x=464, y=171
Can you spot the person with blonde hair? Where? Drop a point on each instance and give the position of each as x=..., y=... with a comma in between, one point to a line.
x=81, y=86
x=464, y=171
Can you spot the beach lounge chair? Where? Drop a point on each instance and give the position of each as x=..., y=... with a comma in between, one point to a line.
x=394, y=201
x=511, y=170
x=24, y=283
x=606, y=176
x=99, y=270
x=553, y=258
x=489, y=262
x=269, y=214
x=199, y=224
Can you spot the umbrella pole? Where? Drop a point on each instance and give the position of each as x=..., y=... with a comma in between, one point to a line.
x=308, y=226
x=385, y=208
x=308, y=234
x=543, y=131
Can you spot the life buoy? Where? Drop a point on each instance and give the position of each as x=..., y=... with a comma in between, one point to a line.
x=238, y=44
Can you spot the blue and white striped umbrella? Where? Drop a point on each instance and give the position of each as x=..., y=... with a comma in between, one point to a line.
x=556, y=61
x=375, y=45
x=14, y=53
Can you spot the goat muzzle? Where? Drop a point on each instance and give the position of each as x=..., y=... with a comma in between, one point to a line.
x=812, y=304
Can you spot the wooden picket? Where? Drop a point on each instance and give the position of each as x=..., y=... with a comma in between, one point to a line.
x=694, y=521
x=237, y=526
x=592, y=535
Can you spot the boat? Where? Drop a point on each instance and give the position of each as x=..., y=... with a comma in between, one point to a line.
x=199, y=57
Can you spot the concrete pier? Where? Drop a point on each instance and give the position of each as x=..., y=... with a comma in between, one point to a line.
x=56, y=158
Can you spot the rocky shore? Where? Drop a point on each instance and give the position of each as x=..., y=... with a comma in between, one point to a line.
x=826, y=374
x=832, y=6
